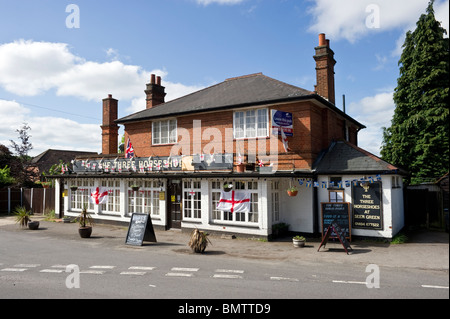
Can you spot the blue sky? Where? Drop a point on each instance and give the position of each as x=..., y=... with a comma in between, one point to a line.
x=53, y=77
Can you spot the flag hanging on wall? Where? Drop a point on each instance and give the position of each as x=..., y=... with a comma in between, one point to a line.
x=234, y=201
x=129, y=151
x=99, y=196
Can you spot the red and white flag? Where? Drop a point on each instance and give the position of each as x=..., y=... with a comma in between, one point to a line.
x=99, y=196
x=285, y=141
x=234, y=201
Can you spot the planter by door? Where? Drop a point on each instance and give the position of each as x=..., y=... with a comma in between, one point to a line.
x=85, y=232
x=298, y=243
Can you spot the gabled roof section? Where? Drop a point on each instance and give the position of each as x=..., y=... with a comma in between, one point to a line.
x=253, y=89
x=345, y=158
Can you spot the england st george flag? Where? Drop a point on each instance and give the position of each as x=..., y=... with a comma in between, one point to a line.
x=234, y=201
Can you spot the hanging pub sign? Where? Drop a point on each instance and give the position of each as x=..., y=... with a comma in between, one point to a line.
x=282, y=121
x=367, y=206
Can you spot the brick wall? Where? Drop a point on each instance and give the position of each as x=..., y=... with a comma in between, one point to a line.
x=314, y=129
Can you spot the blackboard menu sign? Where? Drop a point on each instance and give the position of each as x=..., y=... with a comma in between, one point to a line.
x=367, y=207
x=140, y=230
x=339, y=213
x=335, y=228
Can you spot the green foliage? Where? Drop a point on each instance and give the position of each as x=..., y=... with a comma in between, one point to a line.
x=418, y=139
x=22, y=216
x=5, y=177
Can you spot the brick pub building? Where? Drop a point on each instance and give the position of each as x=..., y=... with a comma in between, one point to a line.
x=188, y=148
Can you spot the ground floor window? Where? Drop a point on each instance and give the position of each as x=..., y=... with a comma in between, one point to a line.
x=252, y=216
x=143, y=197
x=192, y=204
x=80, y=193
x=112, y=206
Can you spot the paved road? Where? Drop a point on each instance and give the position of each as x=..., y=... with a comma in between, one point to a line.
x=33, y=264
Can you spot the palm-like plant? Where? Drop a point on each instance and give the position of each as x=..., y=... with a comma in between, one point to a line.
x=22, y=216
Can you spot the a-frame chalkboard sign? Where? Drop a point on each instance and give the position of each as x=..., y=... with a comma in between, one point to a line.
x=334, y=227
x=140, y=230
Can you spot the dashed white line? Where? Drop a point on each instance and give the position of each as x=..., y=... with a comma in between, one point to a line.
x=27, y=265
x=283, y=279
x=349, y=282
x=223, y=276
x=14, y=269
x=136, y=273
x=185, y=269
x=178, y=274
x=102, y=267
x=435, y=287
x=230, y=271
x=141, y=268
x=52, y=270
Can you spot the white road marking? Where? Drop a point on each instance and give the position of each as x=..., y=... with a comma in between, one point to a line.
x=230, y=271
x=52, y=270
x=27, y=265
x=102, y=267
x=349, y=282
x=436, y=287
x=14, y=269
x=283, y=279
x=185, y=269
x=137, y=273
x=178, y=274
x=227, y=276
x=141, y=268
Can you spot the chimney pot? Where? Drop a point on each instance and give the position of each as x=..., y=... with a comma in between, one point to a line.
x=158, y=80
x=152, y=80
x=322, y=40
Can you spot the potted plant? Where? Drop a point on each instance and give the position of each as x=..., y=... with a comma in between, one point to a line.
x=135, y=188
x=33, y=224
x=86, y=222
x=22, y=216
x=199, y=241
x=279, y=230
x=299, y=241
x=227, y=187
x=73, y=188
x=292, y=191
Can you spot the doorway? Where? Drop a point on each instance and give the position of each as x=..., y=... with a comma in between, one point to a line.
x=175, y=203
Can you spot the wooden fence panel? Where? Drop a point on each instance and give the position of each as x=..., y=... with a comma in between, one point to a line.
x=38, y=200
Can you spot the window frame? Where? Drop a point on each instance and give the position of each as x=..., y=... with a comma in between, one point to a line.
x=171, y=131
x=249, y=124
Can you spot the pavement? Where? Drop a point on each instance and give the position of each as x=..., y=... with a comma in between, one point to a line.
x=424, y=249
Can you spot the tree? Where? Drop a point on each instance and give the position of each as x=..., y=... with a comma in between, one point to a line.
x=418, y=139
x=25, y=174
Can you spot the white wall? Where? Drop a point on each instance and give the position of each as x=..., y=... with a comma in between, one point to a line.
x=392, y=206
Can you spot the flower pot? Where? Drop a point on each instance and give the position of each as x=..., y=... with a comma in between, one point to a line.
x=292, y=193
x=33, y=225
x=227, y=189
x=240, y=168
x=298, y=243
x=85, y=232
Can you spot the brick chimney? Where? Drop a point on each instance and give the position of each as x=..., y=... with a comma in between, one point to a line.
x=155, y=92
x=324, y=69
x=110, y=130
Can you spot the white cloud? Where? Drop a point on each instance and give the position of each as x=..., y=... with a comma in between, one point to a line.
x=62, y=133
x=353, y=19
x=228, y=2
x=29, y=68
x=375, y=112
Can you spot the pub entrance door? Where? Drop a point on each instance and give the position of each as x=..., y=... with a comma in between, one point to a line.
x=175, y=203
